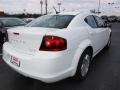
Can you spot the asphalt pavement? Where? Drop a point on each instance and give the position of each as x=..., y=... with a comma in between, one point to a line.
x=104, y=73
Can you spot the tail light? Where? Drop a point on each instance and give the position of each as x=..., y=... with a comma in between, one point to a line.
x=53, y=43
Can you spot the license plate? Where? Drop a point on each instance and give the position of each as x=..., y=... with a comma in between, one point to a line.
x=15, y=61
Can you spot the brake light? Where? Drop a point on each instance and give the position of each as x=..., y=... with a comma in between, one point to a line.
x=53, y=43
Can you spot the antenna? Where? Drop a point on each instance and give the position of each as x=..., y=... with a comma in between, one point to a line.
x=56, y=10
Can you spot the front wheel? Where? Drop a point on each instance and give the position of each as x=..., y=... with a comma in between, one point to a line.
x=83, y=65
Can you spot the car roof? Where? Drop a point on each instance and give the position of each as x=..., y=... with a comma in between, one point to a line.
x=69, y=13
x=85, y=13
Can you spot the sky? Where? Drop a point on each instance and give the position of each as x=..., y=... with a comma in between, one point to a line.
x=33, y=6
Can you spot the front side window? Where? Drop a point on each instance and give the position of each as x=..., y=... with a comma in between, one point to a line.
x=99, y=21
x=91, y=21
x=52, y=21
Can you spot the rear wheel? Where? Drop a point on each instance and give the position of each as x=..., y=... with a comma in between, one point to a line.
x=83, y=65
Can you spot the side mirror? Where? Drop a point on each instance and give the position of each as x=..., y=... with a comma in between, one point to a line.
x=108, y=25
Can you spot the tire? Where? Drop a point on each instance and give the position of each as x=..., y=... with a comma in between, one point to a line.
x=109, y=43
x=83, y=65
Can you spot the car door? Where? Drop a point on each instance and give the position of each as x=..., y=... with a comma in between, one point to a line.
x=94, y=33
x=102, y=30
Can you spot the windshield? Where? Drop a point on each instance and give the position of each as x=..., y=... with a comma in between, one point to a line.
x=10, y=22
x=52, y=21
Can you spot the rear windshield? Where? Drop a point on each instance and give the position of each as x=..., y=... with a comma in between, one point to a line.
x=10, y=22
x=52, y=21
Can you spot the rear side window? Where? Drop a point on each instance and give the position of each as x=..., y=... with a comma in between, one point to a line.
x=91, y=21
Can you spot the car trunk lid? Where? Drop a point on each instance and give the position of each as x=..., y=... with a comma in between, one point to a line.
x=27, y=39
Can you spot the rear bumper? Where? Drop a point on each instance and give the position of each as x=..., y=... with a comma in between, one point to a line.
x=47, y=67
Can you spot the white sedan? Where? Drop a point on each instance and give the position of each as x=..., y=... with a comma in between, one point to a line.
x=54, y=47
